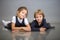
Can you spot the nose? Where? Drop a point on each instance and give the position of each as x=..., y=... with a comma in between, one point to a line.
x=23, y=15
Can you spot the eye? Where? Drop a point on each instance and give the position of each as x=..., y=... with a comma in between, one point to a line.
x=40, y=16
x=36, y=17
x=23, y=12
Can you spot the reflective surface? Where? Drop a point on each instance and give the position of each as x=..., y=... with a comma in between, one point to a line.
x=51, y=34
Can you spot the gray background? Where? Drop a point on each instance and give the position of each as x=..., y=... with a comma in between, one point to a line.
x=51, y=9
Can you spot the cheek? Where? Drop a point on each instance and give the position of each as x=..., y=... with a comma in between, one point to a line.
x=37, y=19
x=41, y=18
x=22, y=15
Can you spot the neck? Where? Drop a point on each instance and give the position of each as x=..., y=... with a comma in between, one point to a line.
x=39, y=23
x=20, y=18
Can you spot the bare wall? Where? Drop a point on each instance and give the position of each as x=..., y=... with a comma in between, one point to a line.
x=51, y=9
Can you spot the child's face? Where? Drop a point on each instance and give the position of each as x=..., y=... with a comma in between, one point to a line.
x=39, y=18
x=22, y=14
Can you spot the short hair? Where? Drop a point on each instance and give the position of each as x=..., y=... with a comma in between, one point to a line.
x=22, y=8
x=40, y=12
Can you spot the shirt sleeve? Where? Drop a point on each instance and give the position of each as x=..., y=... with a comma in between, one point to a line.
x=33, y=28
x=45, y=23
x=14, y=19
x=26, y=21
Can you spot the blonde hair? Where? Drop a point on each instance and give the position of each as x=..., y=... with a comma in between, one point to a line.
x=40, y=12
x=21, y=8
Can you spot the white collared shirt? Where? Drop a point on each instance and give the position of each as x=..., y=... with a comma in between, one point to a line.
x=20, y=20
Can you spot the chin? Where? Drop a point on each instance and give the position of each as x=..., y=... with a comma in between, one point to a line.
x=39, y=22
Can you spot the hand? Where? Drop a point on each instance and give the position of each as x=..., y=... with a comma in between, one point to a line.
x=15, y=30
x=42, y=29
x=21, y=29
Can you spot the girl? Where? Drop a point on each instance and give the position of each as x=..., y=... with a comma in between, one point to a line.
x=39, y=24
x=20, y=22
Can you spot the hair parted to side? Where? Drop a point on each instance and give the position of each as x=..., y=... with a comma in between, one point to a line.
x=40, y=12
x=21, y=8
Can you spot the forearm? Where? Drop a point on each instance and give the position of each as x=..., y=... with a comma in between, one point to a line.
x=35, y=29
x=16, y=28
x=26, y=28
x=42, y=29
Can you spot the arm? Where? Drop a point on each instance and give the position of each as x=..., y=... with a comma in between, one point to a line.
x=45, y=24
x=44, y=27
x=27, y=28
x=15, y=28
x=13, y=24
x=33, y=28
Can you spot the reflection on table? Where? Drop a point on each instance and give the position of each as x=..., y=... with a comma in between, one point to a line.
x=29, y=35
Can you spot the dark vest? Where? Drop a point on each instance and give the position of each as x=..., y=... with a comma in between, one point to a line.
x=18, y=24
x=36, y=24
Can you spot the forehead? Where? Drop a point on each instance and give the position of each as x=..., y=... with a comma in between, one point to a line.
x=39, y=14
x=24, y=10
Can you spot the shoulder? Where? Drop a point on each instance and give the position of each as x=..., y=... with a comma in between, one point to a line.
x=44, y=20
x=13, y=17
x=34, y=22
x=25, y=19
